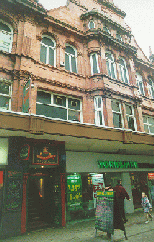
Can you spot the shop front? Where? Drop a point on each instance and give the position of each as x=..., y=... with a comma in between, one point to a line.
x=33, y=184
x=87, y=172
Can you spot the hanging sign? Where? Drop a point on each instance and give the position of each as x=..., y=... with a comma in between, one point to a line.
x=46, y=155
x=24, y=152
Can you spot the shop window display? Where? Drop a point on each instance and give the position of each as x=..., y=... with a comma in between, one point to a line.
x=139, y=184
x=81, y=195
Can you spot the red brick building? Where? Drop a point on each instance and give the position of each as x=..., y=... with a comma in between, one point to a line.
x=76, y=104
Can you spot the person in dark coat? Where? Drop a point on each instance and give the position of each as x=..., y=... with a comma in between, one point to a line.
x=121, y=194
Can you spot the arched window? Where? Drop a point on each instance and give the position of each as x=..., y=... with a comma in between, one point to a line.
x=111, y=66
x=6, y=37
x=123, y=70
x=140, y=83
x=71, y=59
x=91, y=24
x=48, y=51
x=94, y=64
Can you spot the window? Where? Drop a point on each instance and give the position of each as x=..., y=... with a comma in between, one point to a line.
x=105, y=29
x=151, y=87
x=5, y=96
x=148, y=124
x=117, y=114
x=111, y=66
x=70, y=59
x=118, y=36
x=140, y=83
x=6, y=37
x=48, y=51
x=94, y=64
x=123, y=71
x=99, y=117
x=130, y=117
x=91, y=24
x=58, y=106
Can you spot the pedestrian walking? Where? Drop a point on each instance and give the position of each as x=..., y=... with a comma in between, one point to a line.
x=121, y=194
x=146, y=207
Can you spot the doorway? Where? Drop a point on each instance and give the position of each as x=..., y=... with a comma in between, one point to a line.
x=41, y=202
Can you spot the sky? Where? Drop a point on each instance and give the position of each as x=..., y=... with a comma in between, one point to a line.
x=139, y=17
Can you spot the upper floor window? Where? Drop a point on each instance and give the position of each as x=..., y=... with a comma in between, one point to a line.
x=118, y=36
x=6, y=37
x=58, y=106
x=91, y=24
x=117, y=114
x=140, y=83
x=148, y=124
x=106, y=29
x=123, y=70
x=130, y=116
x=71, y=59
x=111, y=66
x=94, y=64
x=48, y=51
x=151, y=87
x=5, y=96
x=99, y=117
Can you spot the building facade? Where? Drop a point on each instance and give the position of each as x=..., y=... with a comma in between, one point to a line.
x=76, y=112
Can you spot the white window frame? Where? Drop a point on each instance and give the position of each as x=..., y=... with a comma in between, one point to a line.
x=151, y=87
x=110, y=62
x=91, y=21
x=140, y=83
x=48, y=47
x=92, y=64
x=148, y=124
x=120, y=112
x=7, y=96
x=123, y=69
x=98, y=111
x=131, y=116
x=70, y=56
x=67, y=108
x=6, y=46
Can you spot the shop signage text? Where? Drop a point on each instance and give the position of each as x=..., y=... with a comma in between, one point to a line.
x=151, y=176
x=118, y=164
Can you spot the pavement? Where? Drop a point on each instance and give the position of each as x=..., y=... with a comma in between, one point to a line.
x=84, y=231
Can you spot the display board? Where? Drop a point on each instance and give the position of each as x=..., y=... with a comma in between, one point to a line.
x=104, y=211
x=74, y=192
x=13, y=191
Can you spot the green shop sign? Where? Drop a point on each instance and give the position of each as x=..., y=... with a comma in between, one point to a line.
x=118, y=164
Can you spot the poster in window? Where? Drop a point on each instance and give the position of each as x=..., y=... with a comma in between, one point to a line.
x=45, y=155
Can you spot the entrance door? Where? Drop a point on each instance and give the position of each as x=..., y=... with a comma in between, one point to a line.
x=41, y=205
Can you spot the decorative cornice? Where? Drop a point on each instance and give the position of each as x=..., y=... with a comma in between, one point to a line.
x=81, y=6
x=109, y=39
x=113, y=7
x=32, y=4
x=144, y=63
x=105, y=18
